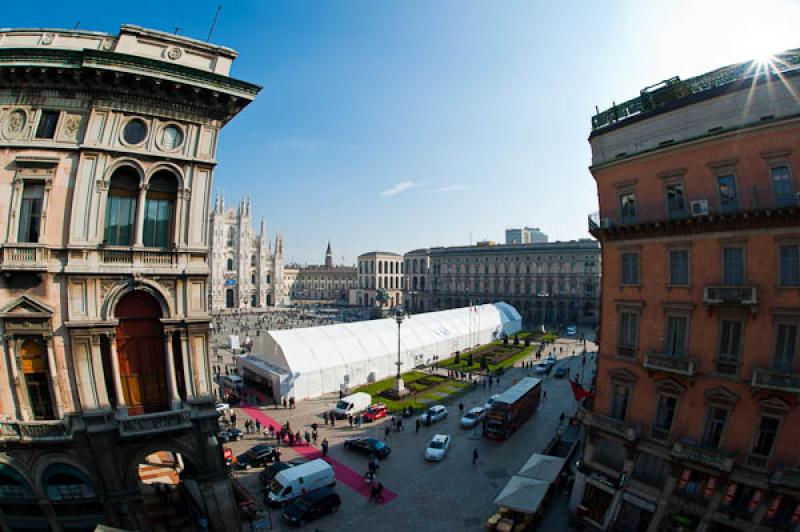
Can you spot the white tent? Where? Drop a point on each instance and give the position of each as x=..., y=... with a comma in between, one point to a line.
x=542, y=467
x=319, y=360
x=523, y=494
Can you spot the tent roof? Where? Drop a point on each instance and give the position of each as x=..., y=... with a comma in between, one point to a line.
x=330, y=346
x=523, y=494
x=542, y=467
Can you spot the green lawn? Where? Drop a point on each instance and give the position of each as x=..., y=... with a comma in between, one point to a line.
x=522, y=352
x=443, y=385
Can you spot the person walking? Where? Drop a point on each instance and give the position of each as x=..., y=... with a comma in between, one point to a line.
x=386, y=431
x=298, y=438
x=417, y=424
x=474, y=456
x=324, y=447
x=308, y=438
x=461, y=408
x=325, y=417
x=258, y=426
x=399, y=425
x=379, y=494
x=293, y=402
x=561, y=419
x=284, y=403
x=291, y=439
x=233, y=419
x=314, y=436
x=333, y=419
x=350, y=420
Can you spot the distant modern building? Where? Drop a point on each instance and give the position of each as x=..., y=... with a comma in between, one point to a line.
x=109, y=144
x=525, y=235
x=552, y=283
x=695, y=421
x=326, y=282
x=246, y=272
x=380, y=275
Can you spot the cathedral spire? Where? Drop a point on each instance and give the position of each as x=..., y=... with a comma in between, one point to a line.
x=329, y=256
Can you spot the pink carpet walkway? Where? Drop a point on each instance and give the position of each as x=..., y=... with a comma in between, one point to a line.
x=343, y=473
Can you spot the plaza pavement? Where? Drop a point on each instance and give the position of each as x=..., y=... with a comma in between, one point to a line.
x=450, y=495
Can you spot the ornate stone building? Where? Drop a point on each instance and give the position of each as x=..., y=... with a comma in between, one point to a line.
x=245, y=271
x=555, y=283
x=320, y=282
x=108, y=149
x=380, y=274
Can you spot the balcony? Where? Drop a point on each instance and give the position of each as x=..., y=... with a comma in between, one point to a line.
x=757, y=462
x=787, y=476
x=24, y=257
x=156, y=423
x=730, y=295
x=35, y=431
x=618, y=427
x=678, y=364
x=716, y=458
x=779, y=381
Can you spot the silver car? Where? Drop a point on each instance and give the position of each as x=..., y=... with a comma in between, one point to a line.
x=472, y=417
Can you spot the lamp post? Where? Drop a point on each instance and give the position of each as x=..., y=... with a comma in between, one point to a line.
x=399, y=387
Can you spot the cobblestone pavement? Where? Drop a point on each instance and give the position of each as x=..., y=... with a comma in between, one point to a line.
x=452, y=494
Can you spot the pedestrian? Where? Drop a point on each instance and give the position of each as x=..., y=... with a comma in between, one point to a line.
x=358, y=421
x=233, y=419
x=386, y=432
x=417, y=424
x=308, y=438
x=291, y=439
x=314, y=436
x=544, y=396
x=271, y=431
x=561, y=419
x=373, y=492
x=399, y=425
x=324, y=447
x=333, y=420
x=325, y=417
x=258, y=426
x=474, y=456
x=292, y=402
x=350, y=420
x=284, y=403
x=461, y=408
x=379, y=494
x=298, y=438
x=394, y=423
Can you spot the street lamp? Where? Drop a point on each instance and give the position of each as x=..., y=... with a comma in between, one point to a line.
x=399, y=387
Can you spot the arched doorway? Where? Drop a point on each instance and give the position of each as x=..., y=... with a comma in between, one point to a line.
x=73, y=498
x=18, y=503
x=35, y=368
x=140, y=348
x=169, y=502
x=229, y=298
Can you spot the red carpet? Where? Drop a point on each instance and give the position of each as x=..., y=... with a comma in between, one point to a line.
x=343, y=473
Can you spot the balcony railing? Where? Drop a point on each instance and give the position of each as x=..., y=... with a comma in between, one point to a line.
x=787, y=476
x=618, y=427
x=757, y=461
x=117, y=256
x=715, y=458
x=34, y=431
x=730, y=295
x=31, y=257
x=158, y=422
x=770, y=379
x=679, y=364
x=127, y=257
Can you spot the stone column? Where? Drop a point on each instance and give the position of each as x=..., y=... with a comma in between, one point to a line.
x=98, y=374
x=54, y=377
x=7, y=399
x=663, y=503
x=172, y=383
x=138, y=241
x=122, y=408
x=18, y=379
x=188, y=369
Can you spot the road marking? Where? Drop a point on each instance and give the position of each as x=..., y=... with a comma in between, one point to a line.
x=343, y=473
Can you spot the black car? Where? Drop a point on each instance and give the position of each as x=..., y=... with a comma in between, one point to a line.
x=271, y=471
x=318, y=502
x=258, y=456
x=370, y=446
x=230, y=435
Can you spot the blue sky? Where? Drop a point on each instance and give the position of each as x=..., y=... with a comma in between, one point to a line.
x=402, y=124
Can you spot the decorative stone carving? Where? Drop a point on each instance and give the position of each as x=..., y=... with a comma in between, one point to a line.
x=108, y=44
x=174, y=53
x=105, y=286
x=15, y=123
x=71, y=126
x=48, y=38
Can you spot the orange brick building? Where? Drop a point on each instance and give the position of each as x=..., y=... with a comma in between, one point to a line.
x=695, y=422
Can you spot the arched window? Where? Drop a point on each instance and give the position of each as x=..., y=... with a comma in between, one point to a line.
x=121, y=207
x=231, y=235
x=159, y=208
x=37, y=378
x=230, y=265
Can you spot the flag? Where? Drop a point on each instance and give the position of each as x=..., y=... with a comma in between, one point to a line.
x=578, y=391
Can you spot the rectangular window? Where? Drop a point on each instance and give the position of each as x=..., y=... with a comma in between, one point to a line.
x=651, y=469
x=782, y=187
x=620, y=401
x=675, y=336
x=715, y=426
x=120, y=218
x=733, y=266
x=665, y=416
x=790, y=265
x=679, y=267
x=785, y=348
x=676, y=204
x=628, y=332
x=630, y=268
x=157, y=222
x=728, y=200
x=730, y=344
x=765, y=438
x=47, y=125
x=627, y=207
x=30, y=212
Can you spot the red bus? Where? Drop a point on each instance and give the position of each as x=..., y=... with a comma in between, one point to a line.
x=512, y=408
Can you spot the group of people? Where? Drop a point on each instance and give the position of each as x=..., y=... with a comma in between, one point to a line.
x=252, y=427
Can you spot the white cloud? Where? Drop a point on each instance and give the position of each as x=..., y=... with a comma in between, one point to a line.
x=399, y=188
x=455, y=187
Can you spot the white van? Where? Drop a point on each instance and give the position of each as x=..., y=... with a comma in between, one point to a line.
x=352, y=404
x=299, y=480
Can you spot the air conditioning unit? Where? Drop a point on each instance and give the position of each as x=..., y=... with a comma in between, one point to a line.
x=699, y=207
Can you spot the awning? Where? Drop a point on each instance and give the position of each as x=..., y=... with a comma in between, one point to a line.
x=542, y=467
x=523, y=494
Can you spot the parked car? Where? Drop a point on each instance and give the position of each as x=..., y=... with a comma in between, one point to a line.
x=472, y=417
x=551, y=359
x=490, y=401
x=318, y=502
x=352, y=404
x=257, y=456
x=230, y=435
x=437, y=448
x=222, y=407
x=300, y=480
x=560, y=373
x=433, y=414
x=374, y=412
x=269, y=472
x=572, y=330
x=369, y=446
x=544, y=368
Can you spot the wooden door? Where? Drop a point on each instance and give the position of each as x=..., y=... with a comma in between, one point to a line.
x=140, y=348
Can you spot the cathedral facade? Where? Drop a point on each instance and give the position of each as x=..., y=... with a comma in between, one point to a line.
x=246, y=271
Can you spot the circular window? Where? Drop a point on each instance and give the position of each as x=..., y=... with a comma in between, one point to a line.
x=135, y=131
x=171, y=137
